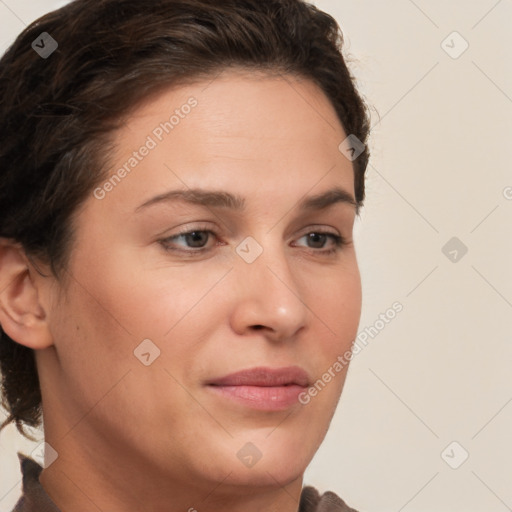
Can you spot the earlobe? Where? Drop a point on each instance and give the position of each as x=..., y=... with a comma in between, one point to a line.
x=22, y=317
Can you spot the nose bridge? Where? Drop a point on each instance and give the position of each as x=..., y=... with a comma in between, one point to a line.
x=269, y=284
x=267, y=258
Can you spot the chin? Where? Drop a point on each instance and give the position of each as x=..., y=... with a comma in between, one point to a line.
x=272, y=460
x=268, y=474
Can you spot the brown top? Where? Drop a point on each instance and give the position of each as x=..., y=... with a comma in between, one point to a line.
x=35, y=499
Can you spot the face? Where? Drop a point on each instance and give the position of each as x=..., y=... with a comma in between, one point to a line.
x=151, y=315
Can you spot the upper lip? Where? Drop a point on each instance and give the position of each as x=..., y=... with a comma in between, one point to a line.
x=264, y=376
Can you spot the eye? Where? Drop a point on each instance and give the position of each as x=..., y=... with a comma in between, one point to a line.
x=319, y=237
x=196, y=241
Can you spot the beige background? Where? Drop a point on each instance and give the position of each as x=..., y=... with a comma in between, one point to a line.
x=439, y=372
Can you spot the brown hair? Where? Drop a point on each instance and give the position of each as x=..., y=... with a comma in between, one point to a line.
x=57, y=113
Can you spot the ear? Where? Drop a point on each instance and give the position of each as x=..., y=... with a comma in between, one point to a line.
x=22, y=317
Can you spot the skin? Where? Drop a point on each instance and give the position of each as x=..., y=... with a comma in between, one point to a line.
x=132, y=437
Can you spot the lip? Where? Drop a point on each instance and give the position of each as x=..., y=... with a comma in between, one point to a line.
x=264, y=376
x=262, y=388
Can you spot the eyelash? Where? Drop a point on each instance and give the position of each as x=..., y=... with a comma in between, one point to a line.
x=339, y=242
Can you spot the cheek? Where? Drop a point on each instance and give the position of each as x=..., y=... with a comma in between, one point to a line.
x=339, y=306
x=99, y=326
x=336, y=320
x=124, y=304
x=149, y=296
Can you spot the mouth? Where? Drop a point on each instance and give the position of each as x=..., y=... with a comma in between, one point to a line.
x=262, y=388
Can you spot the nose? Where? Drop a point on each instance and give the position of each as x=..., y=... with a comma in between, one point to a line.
x=268, y=295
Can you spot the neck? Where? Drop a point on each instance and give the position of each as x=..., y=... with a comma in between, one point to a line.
x=84, y=478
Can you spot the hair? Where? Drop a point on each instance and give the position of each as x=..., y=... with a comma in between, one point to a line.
x=58, y=114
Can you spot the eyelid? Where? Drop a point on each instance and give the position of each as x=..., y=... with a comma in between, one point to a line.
x=192, y=226
x=187, y=228
x=321, y=227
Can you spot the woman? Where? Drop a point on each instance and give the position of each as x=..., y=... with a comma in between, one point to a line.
x=179, y=183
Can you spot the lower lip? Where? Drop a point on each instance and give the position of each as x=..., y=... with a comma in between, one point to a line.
x=262, y=397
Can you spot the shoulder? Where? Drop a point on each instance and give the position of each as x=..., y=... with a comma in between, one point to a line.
x=312, y=501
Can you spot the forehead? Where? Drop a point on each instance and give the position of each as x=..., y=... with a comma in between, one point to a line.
x=237, y=103
x=276, y=135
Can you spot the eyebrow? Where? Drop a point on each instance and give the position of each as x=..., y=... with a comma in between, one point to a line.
x=226, y=200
